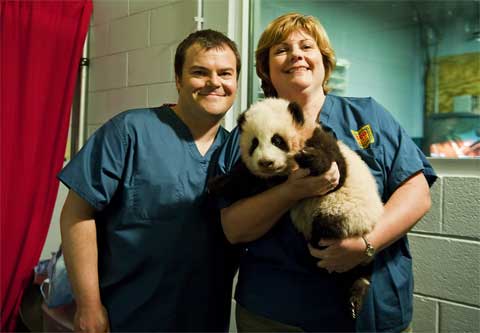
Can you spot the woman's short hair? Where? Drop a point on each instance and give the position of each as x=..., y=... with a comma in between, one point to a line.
x=277, y=31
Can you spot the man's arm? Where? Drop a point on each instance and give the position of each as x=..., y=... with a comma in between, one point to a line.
x=79, y=245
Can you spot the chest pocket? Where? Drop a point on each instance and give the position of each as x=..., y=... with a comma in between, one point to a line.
x=374, y=158
x=157, y=200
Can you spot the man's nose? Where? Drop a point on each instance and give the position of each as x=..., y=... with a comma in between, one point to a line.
x=214, y=80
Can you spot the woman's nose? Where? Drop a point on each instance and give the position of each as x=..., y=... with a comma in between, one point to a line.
x=296, y=54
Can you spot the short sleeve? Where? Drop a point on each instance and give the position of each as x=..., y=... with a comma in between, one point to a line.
x=228, y=156
x=229, y=153
x=94, y=173
x=402, y=156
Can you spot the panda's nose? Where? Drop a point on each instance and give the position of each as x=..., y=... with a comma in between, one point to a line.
x=265, y=163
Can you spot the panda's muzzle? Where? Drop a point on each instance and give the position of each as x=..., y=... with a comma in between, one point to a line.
x=265, y=164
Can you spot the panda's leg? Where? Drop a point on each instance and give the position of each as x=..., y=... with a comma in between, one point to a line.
x=326, y=226
x=358, y=291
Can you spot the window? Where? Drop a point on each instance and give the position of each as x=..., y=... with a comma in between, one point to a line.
x=419, y=59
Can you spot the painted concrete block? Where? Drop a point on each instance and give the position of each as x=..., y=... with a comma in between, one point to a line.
x=459, y=318
x=129, y=33
x=461, y=203
x=162, y=93
x=108, y=72
x=152, y=65
x=172, y=23
x=91, y=129
x=142, y=5
x=120, y=100
x=432, y=221
x=97, y=110
x=215, y=14
x=424, y=314
x=107, y=10
x=446, y=268
x=98, y=39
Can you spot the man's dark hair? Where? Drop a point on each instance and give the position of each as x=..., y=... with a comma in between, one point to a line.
x=207, y=39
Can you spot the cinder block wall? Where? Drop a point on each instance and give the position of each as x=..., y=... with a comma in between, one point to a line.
x=132, y=47
x=445, y=247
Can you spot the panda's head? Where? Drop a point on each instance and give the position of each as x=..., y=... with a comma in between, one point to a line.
x=270, y=137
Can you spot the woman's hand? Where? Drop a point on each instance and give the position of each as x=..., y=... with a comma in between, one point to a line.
x=304, y=186
x=341, y=255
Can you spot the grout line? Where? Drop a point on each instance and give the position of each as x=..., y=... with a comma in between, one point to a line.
x=446, y=301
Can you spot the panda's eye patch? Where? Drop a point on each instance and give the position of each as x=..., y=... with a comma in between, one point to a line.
x=278, y=142
x=253, y=146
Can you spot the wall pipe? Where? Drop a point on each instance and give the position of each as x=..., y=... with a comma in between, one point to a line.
x=199, y=18
x=82, y=114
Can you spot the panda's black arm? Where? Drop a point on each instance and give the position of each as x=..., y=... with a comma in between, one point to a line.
x=318, y=154
x=237, y=184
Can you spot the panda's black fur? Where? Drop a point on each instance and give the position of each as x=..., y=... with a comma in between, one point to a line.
x=274, y=140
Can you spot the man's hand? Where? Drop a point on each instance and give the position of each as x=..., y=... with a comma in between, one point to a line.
x=93, y=319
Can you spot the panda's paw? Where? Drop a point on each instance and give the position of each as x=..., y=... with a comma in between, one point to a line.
x=305, y=157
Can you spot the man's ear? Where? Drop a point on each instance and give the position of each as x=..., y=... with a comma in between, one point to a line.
x=177, y=82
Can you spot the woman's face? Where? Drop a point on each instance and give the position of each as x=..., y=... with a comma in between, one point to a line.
x=296, y=66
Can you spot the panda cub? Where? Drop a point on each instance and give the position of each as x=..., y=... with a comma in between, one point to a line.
x=275, y=140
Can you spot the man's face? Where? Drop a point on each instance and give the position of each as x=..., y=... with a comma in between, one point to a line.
x=209, y=81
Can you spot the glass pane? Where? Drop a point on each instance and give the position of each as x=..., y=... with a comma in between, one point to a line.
x=420, y=59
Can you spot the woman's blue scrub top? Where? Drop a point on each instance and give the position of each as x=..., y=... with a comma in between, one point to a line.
x=277, y=279
x=162, y=257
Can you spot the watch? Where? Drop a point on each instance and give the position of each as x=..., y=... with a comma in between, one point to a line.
x=369, y=249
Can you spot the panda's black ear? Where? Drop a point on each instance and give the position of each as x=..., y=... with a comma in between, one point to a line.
x=296, y=112
x=241, y=121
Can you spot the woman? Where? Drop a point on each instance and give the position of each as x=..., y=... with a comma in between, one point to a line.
x=278, y=289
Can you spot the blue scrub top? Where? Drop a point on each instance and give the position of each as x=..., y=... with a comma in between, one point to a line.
x=164, y=262
x=278, y=278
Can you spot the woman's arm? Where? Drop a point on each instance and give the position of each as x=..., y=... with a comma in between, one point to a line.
x=407, y=205
x=250, y=218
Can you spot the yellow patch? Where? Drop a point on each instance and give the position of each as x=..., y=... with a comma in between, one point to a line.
x=364, y=136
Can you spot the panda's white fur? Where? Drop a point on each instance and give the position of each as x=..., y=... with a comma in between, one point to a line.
x=357, y=201
x=262, y=122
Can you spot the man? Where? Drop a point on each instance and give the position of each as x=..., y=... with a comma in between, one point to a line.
x=142, y=249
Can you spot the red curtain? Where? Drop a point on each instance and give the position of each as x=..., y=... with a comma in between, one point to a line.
x=40, y=50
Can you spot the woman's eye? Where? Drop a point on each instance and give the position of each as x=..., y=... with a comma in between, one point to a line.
x=280, y=50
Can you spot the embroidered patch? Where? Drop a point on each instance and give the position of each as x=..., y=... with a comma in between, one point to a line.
x=364, y=136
